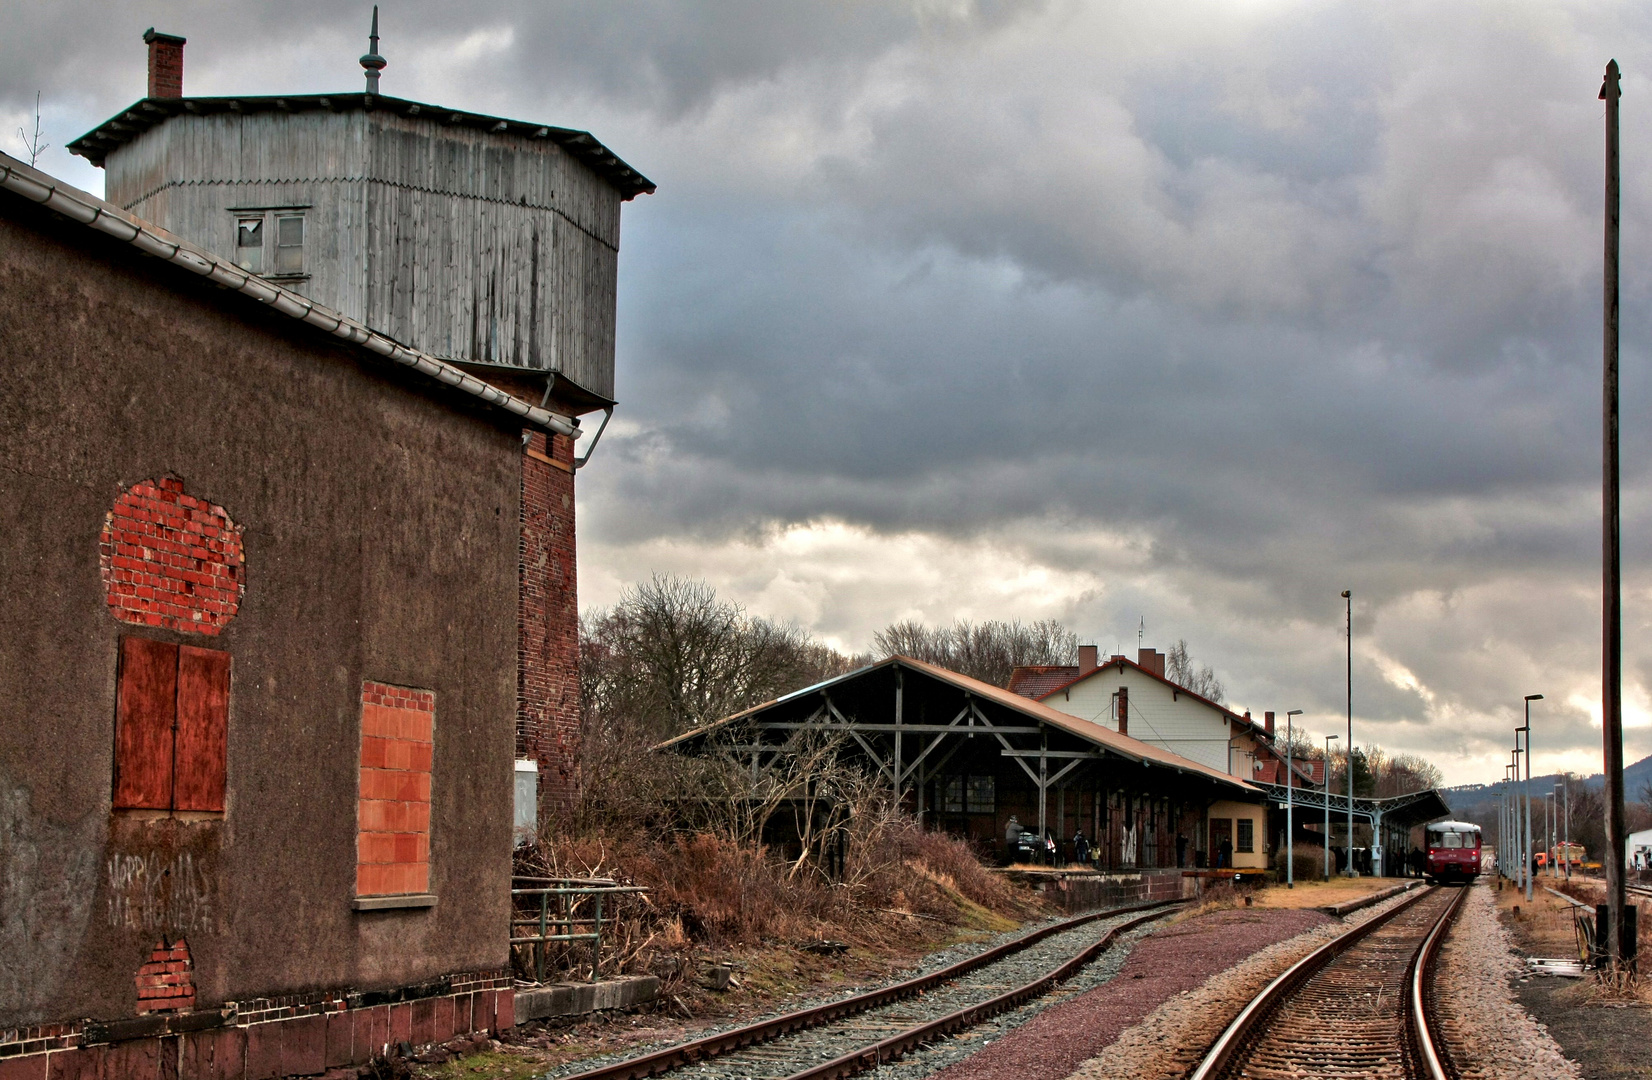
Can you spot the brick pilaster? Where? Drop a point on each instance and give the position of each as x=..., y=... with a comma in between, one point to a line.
x=547, y=709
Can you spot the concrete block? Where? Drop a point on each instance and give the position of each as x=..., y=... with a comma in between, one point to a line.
x=575, y=999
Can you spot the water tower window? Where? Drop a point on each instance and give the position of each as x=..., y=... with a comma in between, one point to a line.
x=249, y=244
x=289, y=244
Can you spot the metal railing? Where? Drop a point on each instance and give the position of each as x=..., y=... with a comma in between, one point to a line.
x=559, y=917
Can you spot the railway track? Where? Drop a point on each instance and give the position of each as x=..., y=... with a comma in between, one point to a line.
x=857, y=1033
x=1360, y=1005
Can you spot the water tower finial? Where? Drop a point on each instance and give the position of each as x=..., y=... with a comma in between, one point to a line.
x=373, y=62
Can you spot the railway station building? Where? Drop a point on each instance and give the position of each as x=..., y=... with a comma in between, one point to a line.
x=965, y=756
x=289, y=423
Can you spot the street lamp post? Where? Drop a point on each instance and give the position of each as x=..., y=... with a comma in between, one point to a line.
x=1519, y=835
x=1526, y=790
x=1290, y=842
x=1348, y=599
x=1502, y=812
x=1328, y=739
x=1548, y=833
x=1566, y=842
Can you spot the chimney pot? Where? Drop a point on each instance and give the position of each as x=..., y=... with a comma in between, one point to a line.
x=1086, y=659
x=166, y=64
x=1152, y=660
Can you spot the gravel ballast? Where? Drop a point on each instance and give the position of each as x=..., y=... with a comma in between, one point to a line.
x=1485, y=1030
x=1173, y=1037
x=1054, y=1039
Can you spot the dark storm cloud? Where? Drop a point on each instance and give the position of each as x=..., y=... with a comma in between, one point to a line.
x=1204, y=312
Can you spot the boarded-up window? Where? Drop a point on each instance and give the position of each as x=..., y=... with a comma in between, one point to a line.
x=171, y=726
x=393, y=815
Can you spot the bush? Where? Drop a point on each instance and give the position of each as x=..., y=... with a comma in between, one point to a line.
x=1309, y=859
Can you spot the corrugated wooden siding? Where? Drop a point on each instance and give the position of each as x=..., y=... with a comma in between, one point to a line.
x=465, y=243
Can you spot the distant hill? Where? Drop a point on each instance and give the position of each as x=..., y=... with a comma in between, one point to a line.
x=1634, y=778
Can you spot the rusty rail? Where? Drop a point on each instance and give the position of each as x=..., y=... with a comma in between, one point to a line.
x=1424, y=1044
x=1239, y=1037
x=673, y=1057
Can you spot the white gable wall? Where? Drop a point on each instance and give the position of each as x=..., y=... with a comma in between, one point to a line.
x=1159, y=715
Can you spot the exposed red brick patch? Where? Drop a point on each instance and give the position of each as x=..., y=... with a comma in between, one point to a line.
x=169, y=559
x=393, y=812
x=167, y=982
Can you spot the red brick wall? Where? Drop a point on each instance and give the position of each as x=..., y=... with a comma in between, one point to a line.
x=547, y=710
x=166, y=983
x=170, y=559
x=393, y=846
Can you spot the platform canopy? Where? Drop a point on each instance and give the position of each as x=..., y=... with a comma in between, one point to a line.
x=908, y=719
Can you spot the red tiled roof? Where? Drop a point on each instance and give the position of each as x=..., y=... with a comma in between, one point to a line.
x=1036, y=680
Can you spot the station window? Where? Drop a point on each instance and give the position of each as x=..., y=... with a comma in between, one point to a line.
x=981, y=795
x=952, y=795
x=1247, y=835
x=171, y=723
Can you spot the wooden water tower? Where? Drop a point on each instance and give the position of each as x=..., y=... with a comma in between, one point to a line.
x=490, y=243
x=478, y=239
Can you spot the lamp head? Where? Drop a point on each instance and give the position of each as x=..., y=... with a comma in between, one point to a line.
x=1534, y=697
x=1294, y=712
x=1346, y=593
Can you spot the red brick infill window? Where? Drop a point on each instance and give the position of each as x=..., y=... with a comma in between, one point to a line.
x=393, y=845
x=167, y=982
x=170, y=559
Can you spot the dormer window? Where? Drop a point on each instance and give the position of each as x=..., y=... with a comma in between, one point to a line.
x=270, y=241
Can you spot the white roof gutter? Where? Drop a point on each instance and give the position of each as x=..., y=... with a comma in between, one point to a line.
x=77, y=205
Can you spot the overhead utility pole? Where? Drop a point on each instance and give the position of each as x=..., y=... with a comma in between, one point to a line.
x=1611, y=728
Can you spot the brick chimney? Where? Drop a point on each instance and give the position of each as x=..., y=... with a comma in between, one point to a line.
x=1267, y=723
x=166, y=64
x=1152, y=660
x=1086, y=659
x=1124, y=710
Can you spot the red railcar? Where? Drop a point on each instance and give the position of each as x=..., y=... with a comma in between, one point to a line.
x=1453, y=851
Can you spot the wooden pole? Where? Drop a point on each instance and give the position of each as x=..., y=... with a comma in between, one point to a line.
x=1612, y=606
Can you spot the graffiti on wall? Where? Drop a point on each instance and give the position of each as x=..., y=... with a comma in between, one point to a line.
x=159, y=892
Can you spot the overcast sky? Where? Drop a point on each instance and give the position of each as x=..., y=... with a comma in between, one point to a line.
x=1191, y=313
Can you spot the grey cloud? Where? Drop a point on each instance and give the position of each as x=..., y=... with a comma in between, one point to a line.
x=1293, y=300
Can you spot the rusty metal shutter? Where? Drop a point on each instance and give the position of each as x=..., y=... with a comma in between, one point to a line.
x=145, y=709
x=203, y=721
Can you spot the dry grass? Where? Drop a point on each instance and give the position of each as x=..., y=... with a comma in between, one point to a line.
x=709, y=894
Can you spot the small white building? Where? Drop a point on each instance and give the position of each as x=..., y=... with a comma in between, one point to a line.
x=1638, y=851
x=1133, y=697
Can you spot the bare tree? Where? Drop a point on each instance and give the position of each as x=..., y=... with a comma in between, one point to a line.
x=36, y=143
x=989, y=651
x=1181, y=669
x=672, y=655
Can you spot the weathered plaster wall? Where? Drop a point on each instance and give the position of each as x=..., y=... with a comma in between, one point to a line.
x=380, y=531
